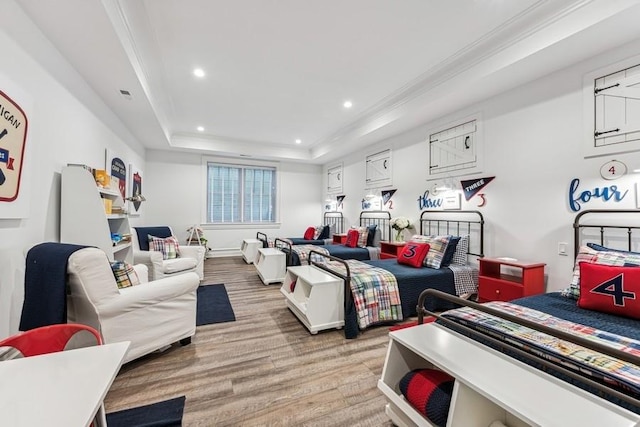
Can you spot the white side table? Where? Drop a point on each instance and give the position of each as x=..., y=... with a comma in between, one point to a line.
x=271, y=265
x=249, y=250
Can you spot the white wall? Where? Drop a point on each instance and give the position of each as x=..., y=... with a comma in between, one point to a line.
x=533, y=139
x=61, y=130
x=175, y=190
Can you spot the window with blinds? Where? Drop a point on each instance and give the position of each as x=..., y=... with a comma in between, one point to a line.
x=240, y=194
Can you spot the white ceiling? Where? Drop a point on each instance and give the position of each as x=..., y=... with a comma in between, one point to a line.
x=279, y=70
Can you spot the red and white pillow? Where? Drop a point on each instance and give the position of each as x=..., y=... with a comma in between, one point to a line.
x=363, y=234
x=610, y=289
x=591, y=256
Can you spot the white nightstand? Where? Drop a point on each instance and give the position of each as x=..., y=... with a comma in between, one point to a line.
x=271, y=265
x=249, y=250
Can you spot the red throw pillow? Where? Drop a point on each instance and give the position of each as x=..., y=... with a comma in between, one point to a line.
x=610, y=289
x=308, y=234
x=352, y=238
x=413, y=254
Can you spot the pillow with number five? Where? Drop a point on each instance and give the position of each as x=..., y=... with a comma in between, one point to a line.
x=610, y=289
x=413, y=254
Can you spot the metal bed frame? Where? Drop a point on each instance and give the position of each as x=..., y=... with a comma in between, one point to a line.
x=611, y=222
x=329, y=218
x=465, y=221
x=380, y=218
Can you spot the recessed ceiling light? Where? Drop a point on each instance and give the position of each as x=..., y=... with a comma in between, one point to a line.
x=347, y=104
x=198, y=72
x=298, y=141
x=200, y=129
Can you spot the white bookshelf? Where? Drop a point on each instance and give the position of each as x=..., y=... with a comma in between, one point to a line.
x=489, y=386
x=83, y=220
x=317, y=299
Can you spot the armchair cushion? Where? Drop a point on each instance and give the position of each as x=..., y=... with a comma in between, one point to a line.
x=168, y=246
x=125, y=274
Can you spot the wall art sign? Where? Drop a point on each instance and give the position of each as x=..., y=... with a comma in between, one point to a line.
x=135, y=185
x=427, y=202
x=613, y=170
x=606, y=193
x=117, y=168
x=13, y=140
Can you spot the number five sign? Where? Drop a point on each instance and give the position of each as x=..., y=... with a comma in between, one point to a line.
x=613, y=170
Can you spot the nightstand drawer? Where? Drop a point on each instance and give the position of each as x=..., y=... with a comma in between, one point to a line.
x=498, y=290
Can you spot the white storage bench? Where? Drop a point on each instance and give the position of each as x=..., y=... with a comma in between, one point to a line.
x=271, y=264
x=489, y=386
x=317, y=299
x=249, y=250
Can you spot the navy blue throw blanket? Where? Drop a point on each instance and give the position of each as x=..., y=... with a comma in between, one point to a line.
x=45, y=279
x=144, y=232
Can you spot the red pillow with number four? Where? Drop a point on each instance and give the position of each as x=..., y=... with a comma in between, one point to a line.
x=413, y=254
x=610, y=289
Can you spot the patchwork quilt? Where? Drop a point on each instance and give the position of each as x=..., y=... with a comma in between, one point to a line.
x=375, y=292
x=598, y=365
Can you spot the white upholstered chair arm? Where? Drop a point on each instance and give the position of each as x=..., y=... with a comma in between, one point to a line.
x=198, y=253
x=152, y=259
x=147, y=294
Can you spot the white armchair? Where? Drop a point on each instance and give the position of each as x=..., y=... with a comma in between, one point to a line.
x=151, y=315
x=191, y=257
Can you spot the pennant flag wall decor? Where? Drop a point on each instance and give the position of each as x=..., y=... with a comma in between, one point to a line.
x=471, y=187
x=387, y=195
x=339, y=200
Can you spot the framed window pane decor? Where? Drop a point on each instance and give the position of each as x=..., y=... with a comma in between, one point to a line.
x=240, y=194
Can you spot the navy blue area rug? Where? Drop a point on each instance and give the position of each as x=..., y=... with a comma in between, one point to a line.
x=213, y=305
x=167, y=413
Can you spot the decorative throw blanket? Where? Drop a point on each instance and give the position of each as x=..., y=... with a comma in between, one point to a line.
x=375, y=292
x=465, y=279
x=595, y=364
x=303, y=252
x=45, y=280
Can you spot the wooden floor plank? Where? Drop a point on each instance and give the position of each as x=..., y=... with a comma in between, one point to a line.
x=264, y=369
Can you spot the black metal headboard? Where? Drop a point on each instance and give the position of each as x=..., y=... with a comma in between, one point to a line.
x=612, y=228
x=457, y=223
x=336, y=219
x=381, y=218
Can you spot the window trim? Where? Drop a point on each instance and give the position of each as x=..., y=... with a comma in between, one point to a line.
x=241, y=163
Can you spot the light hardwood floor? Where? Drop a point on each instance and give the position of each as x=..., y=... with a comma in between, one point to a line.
x=264, y=369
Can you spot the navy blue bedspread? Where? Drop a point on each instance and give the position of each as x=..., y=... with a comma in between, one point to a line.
x=302, y=241
x=566, y=308
x=345, y=252
x=412, y=281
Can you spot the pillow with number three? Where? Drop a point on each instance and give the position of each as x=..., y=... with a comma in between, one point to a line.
x=610, y=289
x=413, y=254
